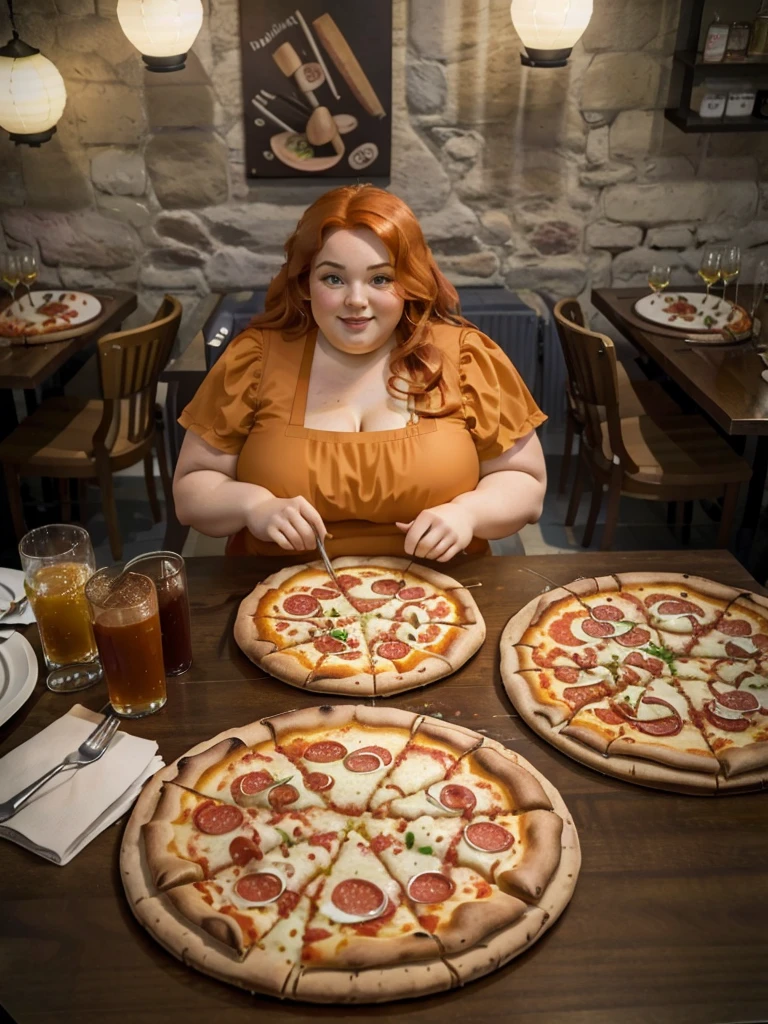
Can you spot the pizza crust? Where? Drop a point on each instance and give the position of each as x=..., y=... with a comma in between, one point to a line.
x=182, y=922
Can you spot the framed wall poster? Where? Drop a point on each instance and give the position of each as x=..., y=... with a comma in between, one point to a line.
x=317, y=84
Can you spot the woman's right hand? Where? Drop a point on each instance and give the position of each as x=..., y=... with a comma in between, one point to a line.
x=289, y=522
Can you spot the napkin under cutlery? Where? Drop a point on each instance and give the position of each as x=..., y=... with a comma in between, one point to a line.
x=76, y=805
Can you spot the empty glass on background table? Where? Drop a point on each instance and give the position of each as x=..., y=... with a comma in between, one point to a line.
x=126, y=625
x=167, y=572
x=730, y=267
x=658, y=278
x=28, y=271
x=709, y=268
x=57, y=561
x=10, y=271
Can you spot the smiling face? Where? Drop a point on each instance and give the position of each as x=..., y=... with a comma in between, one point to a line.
x=352, y=290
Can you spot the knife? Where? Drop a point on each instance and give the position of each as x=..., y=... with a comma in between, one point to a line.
x=326, y=560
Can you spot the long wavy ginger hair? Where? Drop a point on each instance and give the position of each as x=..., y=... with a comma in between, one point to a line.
x=416, y=364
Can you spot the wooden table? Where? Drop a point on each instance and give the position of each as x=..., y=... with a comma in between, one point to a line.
x=724, y=382
x=667, y=924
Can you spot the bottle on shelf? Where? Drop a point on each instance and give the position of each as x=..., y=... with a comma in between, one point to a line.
x=738, y=40
x=758, y=40
x=716, y=41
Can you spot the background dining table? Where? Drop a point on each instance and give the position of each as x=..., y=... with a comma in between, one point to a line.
x=667, y=923
x=725, y=382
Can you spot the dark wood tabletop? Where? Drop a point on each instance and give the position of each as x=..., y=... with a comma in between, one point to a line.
x=725, y=382
x=667, y=923
x=27, y=366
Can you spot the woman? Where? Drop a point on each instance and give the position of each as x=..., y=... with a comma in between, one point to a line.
x=360, y=403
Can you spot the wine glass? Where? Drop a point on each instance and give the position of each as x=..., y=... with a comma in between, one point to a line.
x=658, y=279
x=28, y=269
x=730, y=267
x=10, y=271
x=709, y=268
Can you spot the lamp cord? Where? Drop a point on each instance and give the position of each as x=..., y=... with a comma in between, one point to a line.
x=13, y=20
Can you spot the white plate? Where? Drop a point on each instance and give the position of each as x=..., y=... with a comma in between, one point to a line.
x=686, y=311
x=18, y=674
x=12, y=589
x=24, y=319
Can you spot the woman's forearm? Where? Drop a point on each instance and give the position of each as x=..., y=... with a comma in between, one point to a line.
x=503, y=503
x=214, y=503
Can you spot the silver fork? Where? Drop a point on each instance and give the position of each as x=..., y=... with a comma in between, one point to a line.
x=90, y=750
x=13, y=607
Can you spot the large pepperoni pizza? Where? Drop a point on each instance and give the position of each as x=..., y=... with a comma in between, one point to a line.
x=659, y=678
x=380, y=628
x=349, y=854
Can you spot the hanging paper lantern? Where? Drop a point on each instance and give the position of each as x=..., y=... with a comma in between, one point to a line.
x=161, y=30
x=32, y=93
x=549, y=29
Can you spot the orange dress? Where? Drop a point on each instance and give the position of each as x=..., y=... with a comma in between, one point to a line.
x=252, y=404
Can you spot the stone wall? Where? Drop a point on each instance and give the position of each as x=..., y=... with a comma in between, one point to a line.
x=555, y=180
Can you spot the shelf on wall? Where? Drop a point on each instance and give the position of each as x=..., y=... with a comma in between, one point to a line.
x=751, y=65
x=687, y=121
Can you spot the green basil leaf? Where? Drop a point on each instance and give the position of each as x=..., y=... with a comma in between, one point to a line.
x=425, y=849
x=410, y=838
x=340, y=634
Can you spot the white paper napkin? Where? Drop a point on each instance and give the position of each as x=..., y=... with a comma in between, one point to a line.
x=78, y=804
x=14, y=580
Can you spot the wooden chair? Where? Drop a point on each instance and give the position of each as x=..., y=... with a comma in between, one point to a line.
x=76, y=438
x=651, y=453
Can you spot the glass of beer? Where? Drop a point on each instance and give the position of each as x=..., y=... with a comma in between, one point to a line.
x=126, y=625
x=167, y=572
x=57, y=561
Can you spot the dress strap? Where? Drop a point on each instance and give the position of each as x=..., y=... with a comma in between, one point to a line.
x=299, y=409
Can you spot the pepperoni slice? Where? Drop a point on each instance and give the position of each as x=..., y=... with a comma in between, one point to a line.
x=259, y=888
x=653, y=665
x=324, y=593
x=738, y=700
x=760, y=640
x=325, y=751
x=362, y=763
x=388, y=587
x=488, y=836
x=253, y=782
x=577, y=696
x=678, y=608
x=430, y=887
x=457, y=798
x=597, y=629
x=566, y=674
x=302, y=604
x=381, y=752
x=393, y=650
x=242, y=850
x=608, y=716
x=328, y=645
x=560, y=630
x=359, y=897
x=318, y=782
x=634, y=638
x=281, y=796
x=607, y=613
x=429, y=634
x=660, y=726
x=411, y=593
x=217, y=819
x=726, y=724
x=367, y=604
x=734, y=627
x=733, y=650
x=346, y=582
x=586, y=659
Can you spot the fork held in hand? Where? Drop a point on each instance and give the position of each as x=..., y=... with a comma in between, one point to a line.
x=89, y=750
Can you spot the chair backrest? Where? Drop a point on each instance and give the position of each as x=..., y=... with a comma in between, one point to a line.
x=591, y=361
x=570, y=309
x=130, y=363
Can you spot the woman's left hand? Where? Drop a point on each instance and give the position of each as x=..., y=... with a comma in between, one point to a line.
x=439, y=533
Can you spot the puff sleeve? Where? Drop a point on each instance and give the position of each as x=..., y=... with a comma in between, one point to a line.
x=223, y=410
x=498, y=407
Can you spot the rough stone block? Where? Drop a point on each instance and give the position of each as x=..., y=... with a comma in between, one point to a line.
x=164, y=279
x=555, y=238
x=95, y=35
x=603, y=176
x=469, y=266
x=606, y=235
x=598, y=149
x=651, y=205
x=78, y=69
x=254, y=226
x=634, y=265
x=188, y=169
x=126, y=209
x=417, y=175
x=676, y=236
x=729, y=168
x=455, y=220
x=622, y=81
x=120, y=172
x=185, y=228
x=109, y=115
x=76, y=8
x=621, y=22
x=76, y=239
x=427, y=88
x=632, y=134
x=55, y=177
x=556, y=276
x=170, y=105
x=497, y=224
x=233, y=268
x=174, y=256
x=437, y=29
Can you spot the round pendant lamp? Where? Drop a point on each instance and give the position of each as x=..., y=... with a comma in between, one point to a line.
x=161, y=30
x=32, y=92
x=549, y=29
